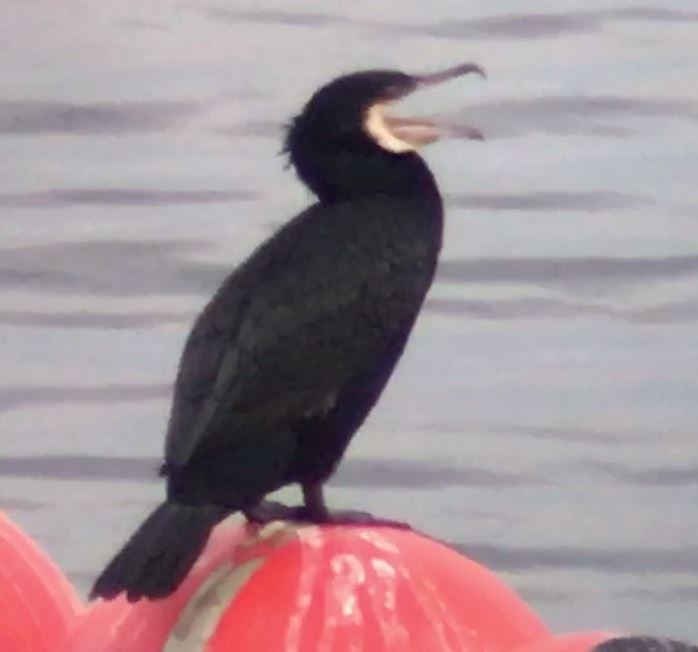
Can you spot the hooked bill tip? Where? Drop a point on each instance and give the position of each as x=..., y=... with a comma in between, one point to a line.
x=451, y=73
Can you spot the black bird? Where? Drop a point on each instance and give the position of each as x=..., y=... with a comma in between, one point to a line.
x=288, y=358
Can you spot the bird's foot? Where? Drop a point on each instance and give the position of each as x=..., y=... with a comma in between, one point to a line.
x=267, y=511
x=347, y=517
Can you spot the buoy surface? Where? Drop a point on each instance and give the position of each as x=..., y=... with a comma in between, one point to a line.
x=38, y=606
x=313, y=588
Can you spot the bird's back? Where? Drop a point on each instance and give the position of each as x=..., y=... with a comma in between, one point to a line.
x=306, y=312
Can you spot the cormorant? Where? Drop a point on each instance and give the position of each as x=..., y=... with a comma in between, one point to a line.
x=288, y=358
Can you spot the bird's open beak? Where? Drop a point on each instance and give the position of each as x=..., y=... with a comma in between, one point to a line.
x=405, y=134
x=450, y=73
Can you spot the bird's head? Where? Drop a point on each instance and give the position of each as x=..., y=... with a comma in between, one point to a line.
x=348, y=122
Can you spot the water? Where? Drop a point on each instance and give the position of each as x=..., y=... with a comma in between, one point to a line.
x=544, y=416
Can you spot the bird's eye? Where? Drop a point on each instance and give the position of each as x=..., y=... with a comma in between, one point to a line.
x=393, y=92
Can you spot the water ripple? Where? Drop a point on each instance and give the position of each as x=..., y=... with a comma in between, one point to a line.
x=657, y=476
x=678, y=593
x=93, y=319
x=20, y=504
x=80, y=467
x=14, y=397
x=40, y=117
x=353, y=473
x=253, y=129
x=543, y=433
x=116, y=268
x=278, y=17
x=513, y=26
x=576, y=114
x=548, y=25
x=678, y=312
x=615, y=561
x=588, y=201
x=125, y=268
x=61, y=197
x=545, y=271
x=403, y=474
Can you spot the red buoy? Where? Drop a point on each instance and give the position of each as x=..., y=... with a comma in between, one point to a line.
x=38, y=607
x=314, y=588
x=119, y=626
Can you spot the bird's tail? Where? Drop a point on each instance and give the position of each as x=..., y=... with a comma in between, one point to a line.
x=157, y=558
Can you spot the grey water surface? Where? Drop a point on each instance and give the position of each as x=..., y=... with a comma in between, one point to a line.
x=544, y=417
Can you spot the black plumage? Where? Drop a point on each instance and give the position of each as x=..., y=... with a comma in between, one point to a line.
x=288, y=358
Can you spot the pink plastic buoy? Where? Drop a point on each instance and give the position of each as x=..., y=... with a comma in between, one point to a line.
x=313, y=588
x=119, y=626
x=38, y=607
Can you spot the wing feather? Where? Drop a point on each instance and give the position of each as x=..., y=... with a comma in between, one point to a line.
x=304, y=314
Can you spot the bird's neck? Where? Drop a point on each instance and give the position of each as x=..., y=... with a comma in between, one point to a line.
x=346, y=176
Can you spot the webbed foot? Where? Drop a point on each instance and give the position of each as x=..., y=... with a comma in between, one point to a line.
x=267, y=511
x=349, y=517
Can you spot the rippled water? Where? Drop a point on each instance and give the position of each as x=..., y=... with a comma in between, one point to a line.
x=544, y=417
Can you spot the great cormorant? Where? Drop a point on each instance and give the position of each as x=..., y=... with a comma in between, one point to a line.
x=288, y=358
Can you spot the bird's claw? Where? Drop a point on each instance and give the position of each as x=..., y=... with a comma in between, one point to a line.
x=355, y=517
x=267, y=511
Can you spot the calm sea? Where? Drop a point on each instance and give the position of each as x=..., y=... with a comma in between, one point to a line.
x=544, y=416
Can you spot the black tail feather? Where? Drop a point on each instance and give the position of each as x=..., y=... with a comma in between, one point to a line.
x=159, y=555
